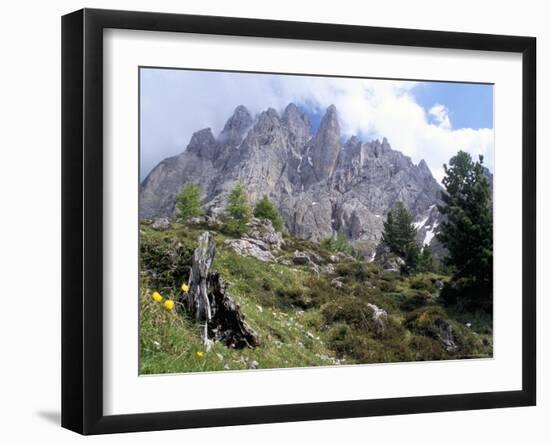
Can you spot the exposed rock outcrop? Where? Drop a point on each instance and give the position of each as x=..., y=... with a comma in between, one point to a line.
x=260, y=241
x=446, y=335
x=161, y=224
x=263, y=231
x=251, y=248
x=379, y=317
x=388, y=260
x=337, y=283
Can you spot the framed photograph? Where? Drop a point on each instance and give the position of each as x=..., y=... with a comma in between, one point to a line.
x=269, y=221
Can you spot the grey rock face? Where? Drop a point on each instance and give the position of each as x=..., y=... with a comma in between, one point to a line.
x=235, y=127
x=204, y=145
x=388, y=260
x=260, y=242
x=251, y=248
x=319, y=184
x=323, y=150
x=298, y=125
x=394, y=264
x=262, y=230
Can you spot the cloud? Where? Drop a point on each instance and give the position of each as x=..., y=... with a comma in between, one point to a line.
x=440, y=115
x=176, y=103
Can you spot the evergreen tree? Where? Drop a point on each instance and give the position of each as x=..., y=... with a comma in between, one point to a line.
x=425, y=260
x=188, y=201
x=467, y=232
x=238, y=210
x=412, y=257
x=400, y=236
x=265, y=209
x=399, y=233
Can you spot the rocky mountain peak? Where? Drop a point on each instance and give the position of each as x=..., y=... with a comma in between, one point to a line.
x=203, y=144
x=297, y=123
x=353, y=140
x=240, y=120
x=269, y=117
x=424, y=169
x=329, y=122
x=236, y=126
x=292, y=112
x=325, y=145
x=201, y=137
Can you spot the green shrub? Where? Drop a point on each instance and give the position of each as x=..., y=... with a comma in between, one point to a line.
x=386, y=351
x=165, y=262
x=387, y=286
x=414, y=301
x=480, y=321
x=352, y=311
x=349, y=342
x=321, y=290
x=338, y=243
x=346, y=342
x=376, y=297
x=425, y=349
x=427, y=322
x=294, y=297
x=389, y=276
x=356, y=313
x=356, y=270
x=424, y=282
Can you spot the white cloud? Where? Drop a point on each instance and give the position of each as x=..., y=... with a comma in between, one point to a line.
x=182, y=102
x=440, y=115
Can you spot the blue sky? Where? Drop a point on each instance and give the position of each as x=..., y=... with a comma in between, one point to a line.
x=469, y=105
x=425, y=120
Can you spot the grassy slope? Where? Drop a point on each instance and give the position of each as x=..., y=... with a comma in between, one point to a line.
x=301, y=319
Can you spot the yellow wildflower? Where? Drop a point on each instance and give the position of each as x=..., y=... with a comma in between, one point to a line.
x=424, y=318
x=157, y=297
x=169, y=305
x=200, y=354
x=184, y=287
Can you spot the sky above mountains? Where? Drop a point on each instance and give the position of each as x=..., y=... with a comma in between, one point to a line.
x=424, y=120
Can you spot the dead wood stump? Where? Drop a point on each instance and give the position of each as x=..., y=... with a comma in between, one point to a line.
x=210, y=302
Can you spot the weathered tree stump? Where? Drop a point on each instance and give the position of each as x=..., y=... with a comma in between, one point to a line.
x=201, y=263
x=210, y=302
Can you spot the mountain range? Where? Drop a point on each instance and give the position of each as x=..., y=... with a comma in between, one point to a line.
x=321, y=183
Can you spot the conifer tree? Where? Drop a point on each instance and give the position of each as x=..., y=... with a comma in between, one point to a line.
x=425, y=260
x=400, y=235
x=467, y=232
x=188, y=202
x=399, y=232
x=238, y=210
x=265, y=209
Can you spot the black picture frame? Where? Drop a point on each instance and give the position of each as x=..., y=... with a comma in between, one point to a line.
x=82, y=216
